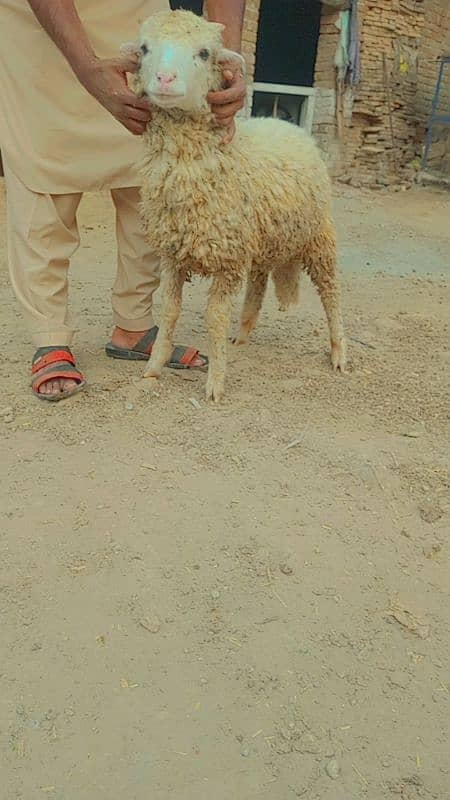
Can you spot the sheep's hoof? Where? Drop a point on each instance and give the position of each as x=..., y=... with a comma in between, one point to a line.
x=151, y=372
x=214, y=391
x=241, y=339
x=338, y=357
x=148, y=383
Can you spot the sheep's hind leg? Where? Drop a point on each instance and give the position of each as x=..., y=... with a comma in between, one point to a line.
x=254, y=296
x=286, y=279
x=172, y=282
x=218, y=316
x=319, y=258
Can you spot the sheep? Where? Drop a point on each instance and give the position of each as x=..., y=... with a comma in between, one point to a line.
x=258, y=206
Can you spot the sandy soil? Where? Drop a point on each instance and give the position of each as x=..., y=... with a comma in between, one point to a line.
x=249, y=601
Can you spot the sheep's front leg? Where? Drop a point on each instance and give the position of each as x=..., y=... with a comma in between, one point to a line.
x=172, y=281
x=218, y=322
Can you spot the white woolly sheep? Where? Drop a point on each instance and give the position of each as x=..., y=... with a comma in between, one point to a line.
x=259, y=206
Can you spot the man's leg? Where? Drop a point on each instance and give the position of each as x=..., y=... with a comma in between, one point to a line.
x=137, y=280
x=42, y=236
x=137, y=271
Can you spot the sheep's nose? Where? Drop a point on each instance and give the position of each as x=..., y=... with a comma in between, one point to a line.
x=165, y=78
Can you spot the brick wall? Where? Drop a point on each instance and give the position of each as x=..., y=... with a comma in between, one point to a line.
x=249, y=37
x=250, y=34
x=384, y=109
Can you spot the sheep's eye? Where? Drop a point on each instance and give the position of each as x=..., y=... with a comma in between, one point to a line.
x=204, y=54
x=144, y=49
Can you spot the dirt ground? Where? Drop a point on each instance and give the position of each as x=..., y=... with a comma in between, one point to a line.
x=249, y=601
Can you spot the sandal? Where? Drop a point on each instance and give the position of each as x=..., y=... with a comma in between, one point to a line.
x=51, y=363
x=181, y=358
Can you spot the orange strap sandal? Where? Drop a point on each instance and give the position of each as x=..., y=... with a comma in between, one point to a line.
x=51, y=363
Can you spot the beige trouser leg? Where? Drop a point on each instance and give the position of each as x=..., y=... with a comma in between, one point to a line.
x=42, y=236
x=137, y=266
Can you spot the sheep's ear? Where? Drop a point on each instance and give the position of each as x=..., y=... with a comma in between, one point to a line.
x=225, y=56
x=130, y=50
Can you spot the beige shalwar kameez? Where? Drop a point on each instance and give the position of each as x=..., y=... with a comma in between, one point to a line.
x=58, y=142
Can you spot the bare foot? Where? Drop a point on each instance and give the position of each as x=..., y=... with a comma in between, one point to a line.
x=58, y=385
x=126, y=339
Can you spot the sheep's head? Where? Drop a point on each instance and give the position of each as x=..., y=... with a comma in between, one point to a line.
x=180, y=56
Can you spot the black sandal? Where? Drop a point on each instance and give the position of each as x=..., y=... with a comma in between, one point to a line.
x=181, y=358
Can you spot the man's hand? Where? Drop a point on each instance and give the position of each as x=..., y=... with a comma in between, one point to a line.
x=227, y=102
x=106, y=80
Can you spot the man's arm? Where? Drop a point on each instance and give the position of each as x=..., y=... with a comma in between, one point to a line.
x=105, y=79
x=62, y=23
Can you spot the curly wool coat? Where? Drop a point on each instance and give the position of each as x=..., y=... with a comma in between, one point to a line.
x=258, y=201
x=260, y=205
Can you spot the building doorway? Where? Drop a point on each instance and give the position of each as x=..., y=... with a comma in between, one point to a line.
x=188, y=5
x=286, y=49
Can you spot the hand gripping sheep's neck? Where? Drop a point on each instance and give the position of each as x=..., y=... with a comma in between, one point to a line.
x=260, y=206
